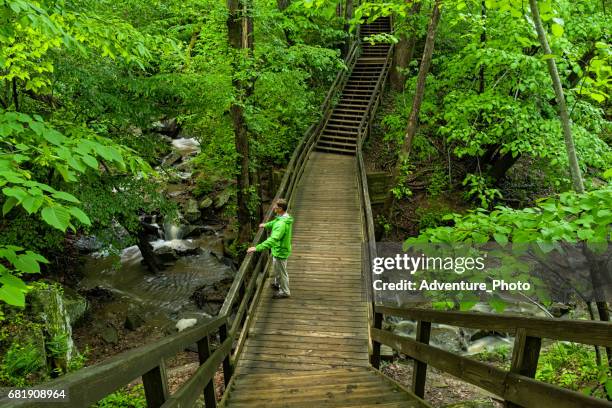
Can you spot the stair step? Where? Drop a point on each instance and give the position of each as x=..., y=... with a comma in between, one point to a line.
x=336, y=132
x=340, y=121
x=355, y=99
x=360, y=100
x=353, y=107
x=362, y=92
x=348, y=121
x=347, y=114
x=334, y=143
x=359, y=88
x=336, y=150
x=342, y=126
x=343, y=139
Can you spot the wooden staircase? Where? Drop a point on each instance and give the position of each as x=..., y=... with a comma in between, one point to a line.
x=341, y=129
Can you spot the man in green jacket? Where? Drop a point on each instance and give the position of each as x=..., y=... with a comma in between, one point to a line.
x=280, y=244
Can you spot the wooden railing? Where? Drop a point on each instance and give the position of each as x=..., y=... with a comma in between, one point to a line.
x=89, y=385
x=517, y=386
x=367, y=218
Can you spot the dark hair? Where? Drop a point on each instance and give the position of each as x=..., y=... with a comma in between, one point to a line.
x=282, y=203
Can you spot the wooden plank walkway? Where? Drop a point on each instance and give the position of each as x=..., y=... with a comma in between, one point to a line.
x=312, y=348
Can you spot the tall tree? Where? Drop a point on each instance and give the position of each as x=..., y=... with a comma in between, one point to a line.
x=404, y=50
x=561, y=105
x=416, y=101
x=597, y=268
x=240, y=33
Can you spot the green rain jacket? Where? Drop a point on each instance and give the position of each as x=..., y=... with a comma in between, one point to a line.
x=280, y=239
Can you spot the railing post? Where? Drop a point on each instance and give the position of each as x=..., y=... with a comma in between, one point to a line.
x=227, y=365
x=209, y=390
x=155, y=384
x=375, y=358
x=525, y=355
x=420, y=369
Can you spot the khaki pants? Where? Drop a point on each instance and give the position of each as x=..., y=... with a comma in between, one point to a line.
x=281, y=277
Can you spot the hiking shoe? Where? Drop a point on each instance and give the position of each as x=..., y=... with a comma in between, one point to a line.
x=279, y=295
x=275, y=286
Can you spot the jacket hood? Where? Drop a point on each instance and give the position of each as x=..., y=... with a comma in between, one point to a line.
x=287, y=219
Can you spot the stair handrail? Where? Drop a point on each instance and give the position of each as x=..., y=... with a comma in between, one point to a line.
x=369, y=251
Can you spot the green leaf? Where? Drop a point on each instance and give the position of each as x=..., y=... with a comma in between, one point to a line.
x=109, y=153
x=12, y=280
x=80, y=215
x=57, y=217
x=497, y=304
x=557, y=29
x=8, y=205
x=62, y=195
x=12, y=295
x=32, y=203
x=501, y=239
x=54, y=137
x=16, y=192
x=27, y=263
x=90, y=161
x=467, y=305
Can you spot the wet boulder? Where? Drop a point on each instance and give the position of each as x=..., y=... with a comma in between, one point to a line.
x=76, y=305
x=167, y=127
x=205, y=203
x=134, y=318
x=192, y=211
x=210, y=298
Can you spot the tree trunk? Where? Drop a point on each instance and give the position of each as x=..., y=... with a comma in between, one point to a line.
x=483, y=43
x=348, y=14
x=563, y=115
x=404, y=50
x=283, y=4
x=240, y=36
x=416, y=101
x=15, y=95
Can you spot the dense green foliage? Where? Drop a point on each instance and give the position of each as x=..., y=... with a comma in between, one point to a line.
x=573, y=366
x=83, y=83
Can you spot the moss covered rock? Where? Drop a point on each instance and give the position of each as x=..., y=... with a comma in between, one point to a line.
x=47, y=307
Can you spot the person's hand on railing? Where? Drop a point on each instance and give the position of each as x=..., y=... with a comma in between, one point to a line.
x=262, y=225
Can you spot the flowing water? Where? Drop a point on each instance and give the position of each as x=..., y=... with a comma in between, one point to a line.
x=186, y=146
x=166, y=293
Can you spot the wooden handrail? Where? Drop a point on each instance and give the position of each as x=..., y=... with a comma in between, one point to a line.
x=190, y=391
x=90, y=384
x=517, y=386
x=512, y=387
x=578, y=331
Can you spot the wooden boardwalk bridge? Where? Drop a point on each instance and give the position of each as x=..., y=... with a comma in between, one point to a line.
x=313, y=348
x=321, y=346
